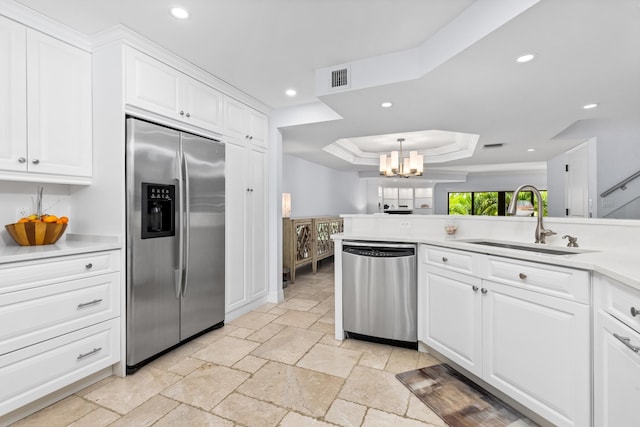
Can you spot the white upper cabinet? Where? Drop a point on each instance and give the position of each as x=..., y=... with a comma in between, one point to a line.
x=46, y=114
x=13, y=102
x=245, y=123
x=202, y=105
x=59, y=107
x=157, y=87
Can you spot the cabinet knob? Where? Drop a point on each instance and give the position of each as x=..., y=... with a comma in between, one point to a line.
x=88, y=266
x=188, y=114
x=522, y=276
x=181, y=113
x=35, y=161
x=445, y=259
x=250, y=137
x=21, y=160
x=635, y=312
x=484, y=290
x=475, y=288
x=246, y=137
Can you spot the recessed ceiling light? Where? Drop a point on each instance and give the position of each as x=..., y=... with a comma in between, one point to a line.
x=179, y=13
x=525, y=58
x=291, y=92
x=590, y=106
x=531, y=149
x=386, y=104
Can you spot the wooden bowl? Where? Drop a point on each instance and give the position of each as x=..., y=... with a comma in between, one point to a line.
x=35, y=233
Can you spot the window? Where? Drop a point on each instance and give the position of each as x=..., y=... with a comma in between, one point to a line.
x=491, y=203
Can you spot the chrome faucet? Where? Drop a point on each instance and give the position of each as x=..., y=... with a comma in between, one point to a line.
x=541, y=232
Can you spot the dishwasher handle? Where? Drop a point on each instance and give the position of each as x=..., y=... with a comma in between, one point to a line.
x=380, y=251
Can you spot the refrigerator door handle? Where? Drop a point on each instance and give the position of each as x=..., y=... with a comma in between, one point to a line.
x=187, y=224
x=179, y=273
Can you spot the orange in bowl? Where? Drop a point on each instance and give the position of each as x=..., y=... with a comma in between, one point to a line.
x=35, y=233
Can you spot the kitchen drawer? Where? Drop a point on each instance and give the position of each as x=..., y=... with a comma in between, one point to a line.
x=621, y=301
x=22, y=275
x=38, y=370
x=33, y=315
x=448, y=258
x=562, y=282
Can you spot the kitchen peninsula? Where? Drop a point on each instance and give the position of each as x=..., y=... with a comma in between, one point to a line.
x=554, y=332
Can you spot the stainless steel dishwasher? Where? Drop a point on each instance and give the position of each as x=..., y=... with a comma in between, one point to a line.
x=379, y=291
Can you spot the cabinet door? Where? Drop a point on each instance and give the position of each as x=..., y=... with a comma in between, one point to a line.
x=256, y=244
x=236, y=197
x=152, y=85
x=450, y=317
x=236, y=119
x=322, y=239
x=13, y=102
x=59, y=107
x=536, y=348
x=202, y=105
x=257, y=128
x=616, y=374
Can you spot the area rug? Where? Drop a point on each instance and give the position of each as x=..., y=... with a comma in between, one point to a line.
x=459, y=401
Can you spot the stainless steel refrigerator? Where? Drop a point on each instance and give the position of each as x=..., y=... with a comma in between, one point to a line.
x=175, y=188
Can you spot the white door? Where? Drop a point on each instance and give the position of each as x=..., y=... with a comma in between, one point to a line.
x=577, y=181
x=13, y=102
x=152, y=85
x=257, y=128
x=452, y=319
x=257, y=225
x=236, y=119
x=236, y=206
x=617, y=374
x=523, y=329
x=202, y=104
x=59, y=107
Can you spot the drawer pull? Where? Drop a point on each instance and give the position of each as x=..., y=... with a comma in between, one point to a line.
x=475, y=288
x=94, y=351
x=445, y=259
x=627, y=342
x=635, y=312
x=84, y=304
x=522, y=276
x=88, y=266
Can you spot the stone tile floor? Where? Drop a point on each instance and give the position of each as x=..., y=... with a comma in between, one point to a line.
x=276, y=366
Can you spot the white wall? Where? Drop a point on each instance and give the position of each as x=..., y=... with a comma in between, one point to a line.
x=317, y=190
x=617, y=153
x=503, y=181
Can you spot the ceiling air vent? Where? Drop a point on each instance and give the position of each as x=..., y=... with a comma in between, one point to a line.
x=492, y=145
x=340, y=78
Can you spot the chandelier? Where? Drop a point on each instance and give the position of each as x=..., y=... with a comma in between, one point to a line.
x=397, y=165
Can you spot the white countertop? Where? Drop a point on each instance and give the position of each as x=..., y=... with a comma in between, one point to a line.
x=613, y=252
x=71, y=244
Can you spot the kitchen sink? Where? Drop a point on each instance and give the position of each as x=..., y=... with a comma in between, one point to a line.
x=528, y=247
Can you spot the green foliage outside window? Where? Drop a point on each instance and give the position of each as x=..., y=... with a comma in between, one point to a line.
x=489, y=202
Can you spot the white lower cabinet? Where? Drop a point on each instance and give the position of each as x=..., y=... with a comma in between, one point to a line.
x=536, y=349
x=43, y=368
x=617, y=354
x=451, y=308
x=533, y=346
x=59, y=323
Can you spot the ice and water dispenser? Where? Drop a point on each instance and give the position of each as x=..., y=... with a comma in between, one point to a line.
x=158, y=210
